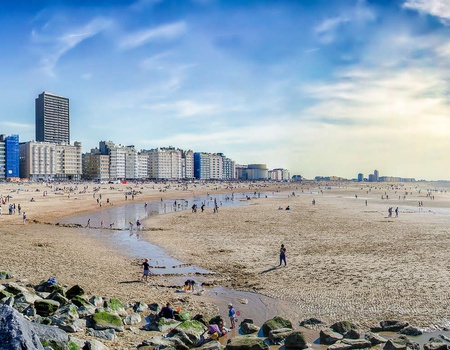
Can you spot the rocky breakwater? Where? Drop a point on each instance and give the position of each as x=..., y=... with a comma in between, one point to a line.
x=50, y=316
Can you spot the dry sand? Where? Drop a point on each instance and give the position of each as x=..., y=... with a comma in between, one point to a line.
x=346, y=260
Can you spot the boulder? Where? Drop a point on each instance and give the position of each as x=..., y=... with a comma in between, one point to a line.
x=411, y=330
x=343, y=327
x=107, y=334
x=140, y=307
x=339, y=345
x=5, y=294
x=275, y=323
x=159, y=342
x=96, y=301
x=50, y=288
x=393, y=326
x=183, y=337
x=277, y=336
x=374, y=338
x=81, y=301
x=26, y=297
x=46, y=307
x=16, y=333
x=132, y=319
x=163, y=324
x=95, y=345
x=212, y=345
x=106, y=320
x=115, y=305
x=193, y=329
x=246, y=343
x=74, y=292
x=5, y=275
x=58, y=297
x=74, y=327
x=310, y=322
x=357, y=343
x=51, y=336
x=67, y=314
x=295, y=341
x=86, y=310
x=329, y=337
x=353, y=334
x=435, y=344
x=249, y=328
x=154, y=307
x=15, y=289
x=183, y=315
x=401, y=343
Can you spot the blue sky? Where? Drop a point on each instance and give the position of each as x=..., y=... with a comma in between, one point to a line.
x=318, y=87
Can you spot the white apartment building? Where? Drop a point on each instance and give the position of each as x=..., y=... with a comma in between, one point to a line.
x=165, y=163
x=142, y=167
x=216, y=167
x=131, y=163
x=187, y=164
x=49, y=161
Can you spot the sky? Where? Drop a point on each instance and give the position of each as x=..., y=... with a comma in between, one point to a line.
x=319, y=87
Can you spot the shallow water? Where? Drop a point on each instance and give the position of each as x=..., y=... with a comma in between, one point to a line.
x=128, y=239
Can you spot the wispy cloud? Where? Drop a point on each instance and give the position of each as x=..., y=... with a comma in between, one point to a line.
x=54, y=45
x=438, y=8
x=163, y=32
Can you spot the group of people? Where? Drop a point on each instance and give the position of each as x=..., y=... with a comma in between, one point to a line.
x=390, y=212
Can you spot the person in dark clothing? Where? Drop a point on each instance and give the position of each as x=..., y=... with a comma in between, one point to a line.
x=282, y=255
x=166, y=312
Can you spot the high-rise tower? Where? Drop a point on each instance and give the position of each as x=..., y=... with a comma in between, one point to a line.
x=52, y=118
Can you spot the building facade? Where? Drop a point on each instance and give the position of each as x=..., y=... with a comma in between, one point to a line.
x=52, y=118
x=165, y=163
x=95, y=166
x=10, y=145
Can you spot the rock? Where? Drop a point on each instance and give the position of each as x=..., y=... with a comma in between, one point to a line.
x=81, y=301
x=107, y=334
x=295, y=341
x=59, y=298
x=5, y=294
x=26, y=297
x=246, y=343
x=193, y=329
x=67, y=314
x=329, y=337
x=95, y=345
x=159, y=342
x=393, y=326
x=75, y=291
x=51, y=336
x=140, y=307
x=21, y=307
x=310, y=322
x=247, y=320
x=116, y=306
x=343, y=327
x=74, y=327
x=212, y=345
x=357, y=343
x=105, y=320
x=77, y=341
x=46, y=307
x=154, y=307
x=275, y=323
x=162, y=324
x=339, y=345
x=16, y=333
x=86, y=310
x=435, y=344
x=400, y=343
x=277, y=336
x=183, y=337
x=50, y=288
x=374, y=338
x=411, y=330
x=132, y=319
x=15, y=289
x=200, y=318
x=5, y=275
x=353, y=334
x=249, y=328
x=96, y=301
x=183, y=315
x=30, y=311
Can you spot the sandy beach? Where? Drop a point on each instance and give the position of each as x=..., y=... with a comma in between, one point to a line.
x=346, y=259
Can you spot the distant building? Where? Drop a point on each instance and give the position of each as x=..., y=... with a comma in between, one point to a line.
x=2, y=161
x=257, y=172
x=376, y=175
x=165, y=163
x=279, y=174
x=95, y=166
x=360, y=177
x=297, y=178
x=117, y=159
x=187, y=164
x=228, y=168
x=371, y=178
x=11, y=156
x=52, y=118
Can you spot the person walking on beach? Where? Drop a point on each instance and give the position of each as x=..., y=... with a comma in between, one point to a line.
x=282, y=255
x=24, y=218
x=88, y=223
x=396, y=212
x=146, y=272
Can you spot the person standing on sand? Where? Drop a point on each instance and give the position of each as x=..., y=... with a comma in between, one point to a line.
x=231, y=315
x=88, y=223
x=282, y=255
x=146, y=272
x=24, y=218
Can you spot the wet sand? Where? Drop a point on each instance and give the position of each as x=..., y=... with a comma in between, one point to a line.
x=346, y=260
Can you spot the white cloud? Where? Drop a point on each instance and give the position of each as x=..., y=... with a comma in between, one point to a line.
x=166, y=31
x=53, y=47
x=438, y=8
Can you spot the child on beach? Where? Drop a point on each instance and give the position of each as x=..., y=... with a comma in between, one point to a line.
x=231, y=315
x=146, y=272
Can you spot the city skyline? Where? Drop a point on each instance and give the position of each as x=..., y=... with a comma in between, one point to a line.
x=316, y=87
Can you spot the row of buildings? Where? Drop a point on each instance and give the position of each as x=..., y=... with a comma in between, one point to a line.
x=52, y=157
x=375, y=177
